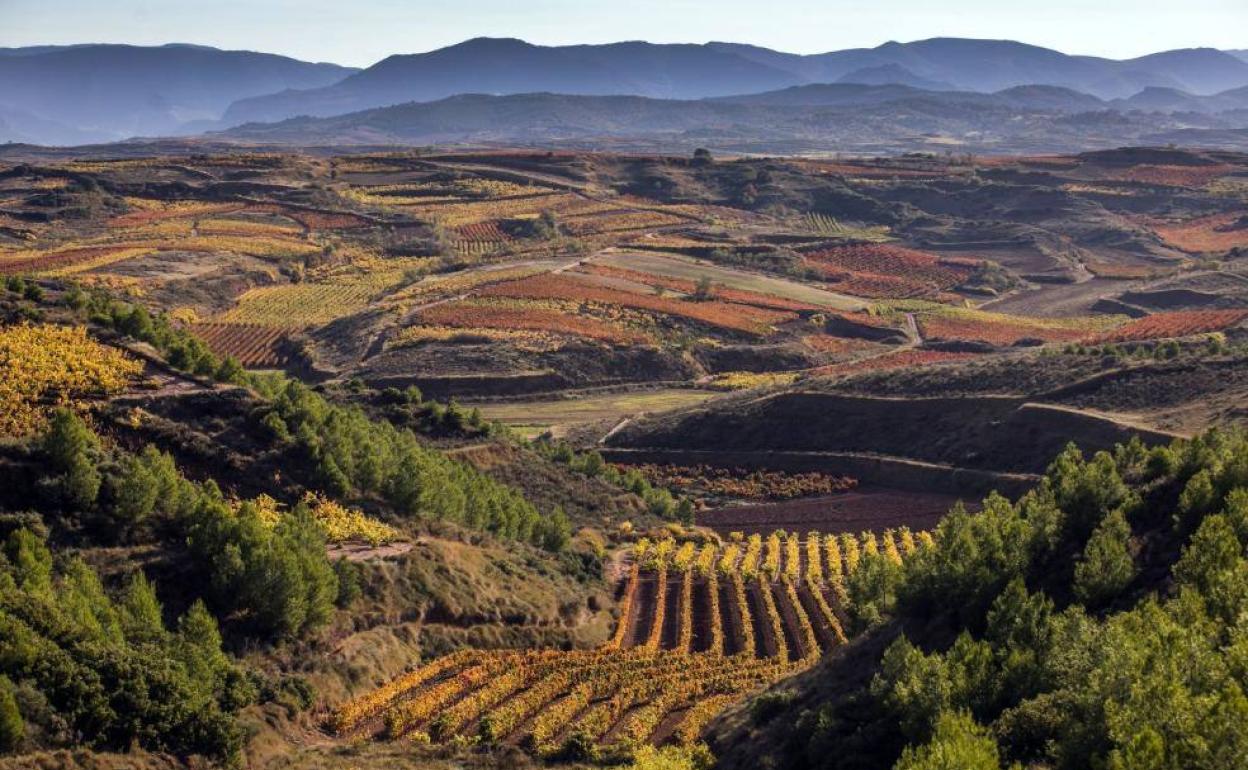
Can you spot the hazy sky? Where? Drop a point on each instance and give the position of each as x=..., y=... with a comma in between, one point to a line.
x=360, y=32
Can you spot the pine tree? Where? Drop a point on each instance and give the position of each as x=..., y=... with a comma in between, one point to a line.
x=70, y=446
x=557, y=531
x=140, y=609
x=684, y=511
x=1107, y=566
x=30, y=560
x=199, y=649
x=958, y=744
x=12, y=729
x=135, y=492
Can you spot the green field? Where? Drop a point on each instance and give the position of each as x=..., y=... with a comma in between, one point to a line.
x=533, y=417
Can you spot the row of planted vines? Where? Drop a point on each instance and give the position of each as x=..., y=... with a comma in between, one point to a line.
x=702, y=625
x=886, y=271
x=250, y=344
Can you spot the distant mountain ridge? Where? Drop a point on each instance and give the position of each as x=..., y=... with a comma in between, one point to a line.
x=895, y=74
x=65, y=94
x=847, y=116
x=509, y=66
x=69, y=94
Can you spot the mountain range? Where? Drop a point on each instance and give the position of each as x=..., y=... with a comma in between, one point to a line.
x=84, y=93
x=881, y=119
x=70, y=94
x=507, y=66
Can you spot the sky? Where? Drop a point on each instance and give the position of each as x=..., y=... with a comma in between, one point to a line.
x=361, y=32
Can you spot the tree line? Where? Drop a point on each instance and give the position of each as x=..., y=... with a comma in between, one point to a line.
x=1099, y=621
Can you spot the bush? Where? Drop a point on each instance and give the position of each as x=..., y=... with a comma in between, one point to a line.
x=769, y=705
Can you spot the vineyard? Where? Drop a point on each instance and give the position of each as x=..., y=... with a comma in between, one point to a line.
x=250, y=344
x=339, y=523
x=474, y=314
x=1174, y=324
x=620, y=221
x=67, y=261
x=887, y=272
x=748, y=320
x=1219, y=232
x=479, y=238
x=457, y=213
x=300, y=304
x=948, y=323
x=686, y=286
x=894, y=360
x=1170, y=175
x=830, y=227
x=701, y=626
x=43, y=366
x=749, y=380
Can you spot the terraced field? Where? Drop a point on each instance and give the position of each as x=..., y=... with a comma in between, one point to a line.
x=560, y=414
x=692, y=270
x=701, y=626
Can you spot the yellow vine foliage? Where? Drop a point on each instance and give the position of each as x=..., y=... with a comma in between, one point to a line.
x=339, y=523
x=342, y=524
x=45, y=365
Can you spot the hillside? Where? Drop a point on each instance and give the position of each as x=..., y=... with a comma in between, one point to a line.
x=394, y=458
x=1093, y=620
x=83, y=93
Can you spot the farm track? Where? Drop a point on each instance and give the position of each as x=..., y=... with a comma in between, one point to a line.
x=827, y=640
x=793, y=640
x=730, y=616
x=671, y=616
x=765, y=641
x=701, y=615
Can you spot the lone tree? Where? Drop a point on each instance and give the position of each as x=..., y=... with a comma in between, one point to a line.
x=702, y=157
x=704, y=289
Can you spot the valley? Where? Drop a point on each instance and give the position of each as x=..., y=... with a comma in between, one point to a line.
x=503, y=457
